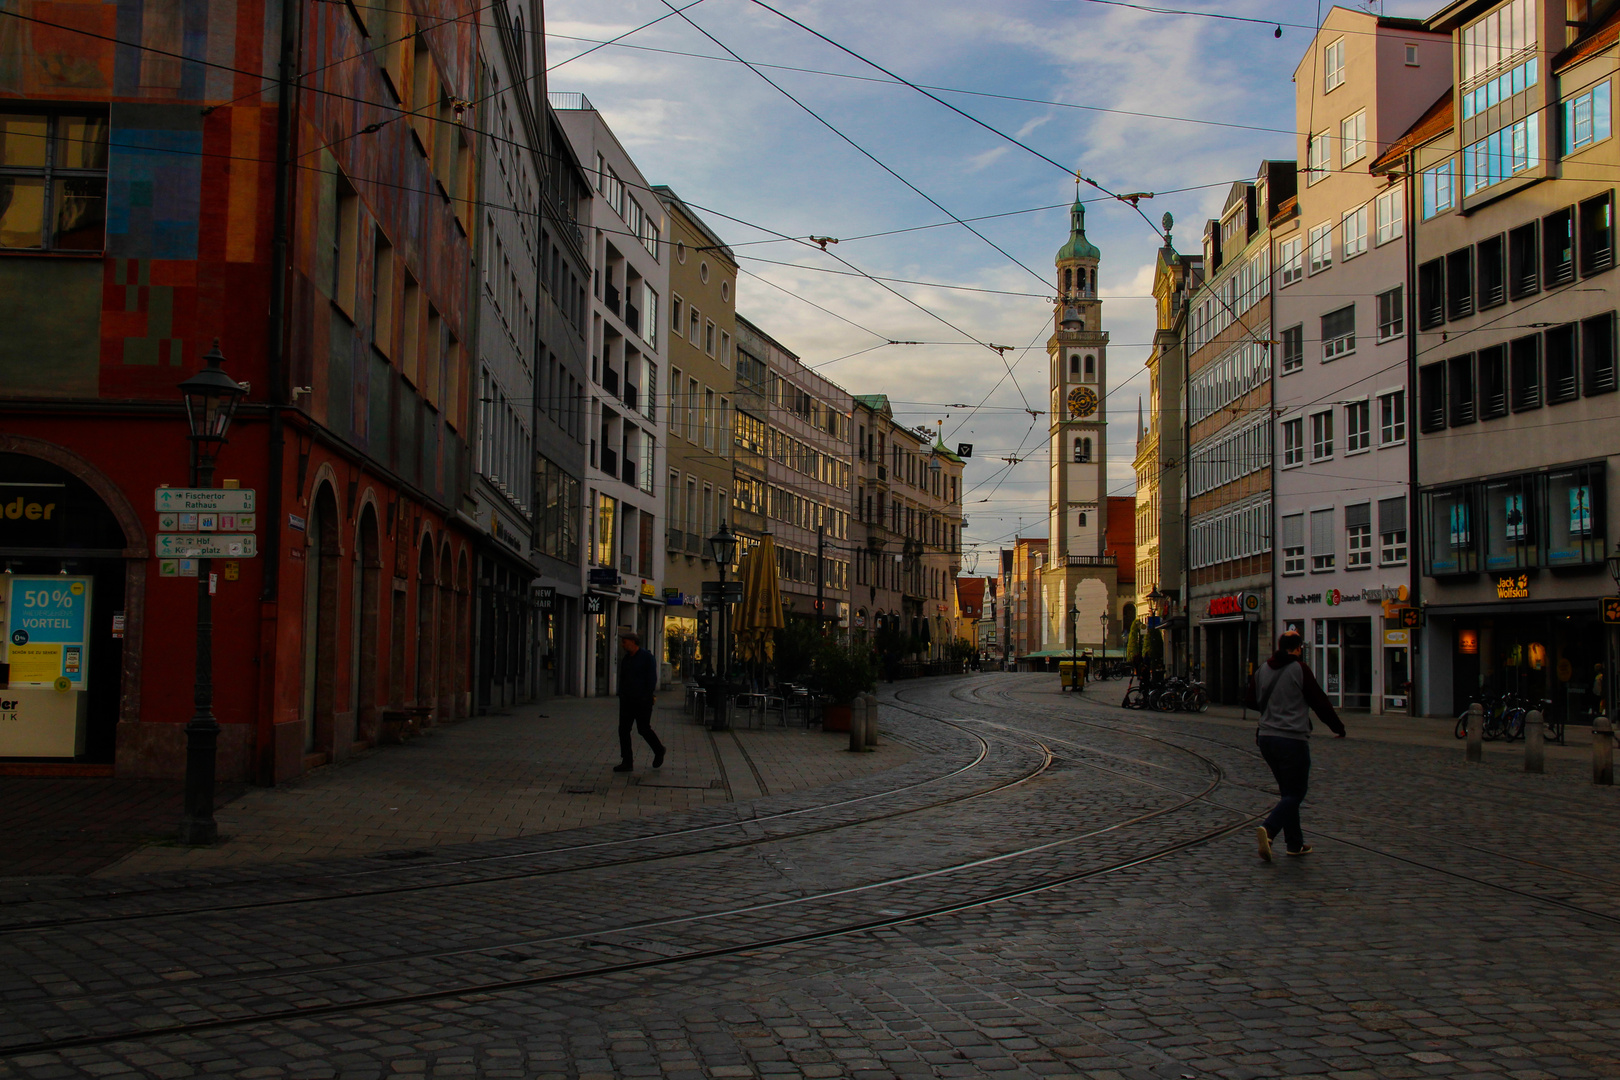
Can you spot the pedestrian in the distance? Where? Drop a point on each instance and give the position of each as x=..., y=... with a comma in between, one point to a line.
x=1285, y=693
x=638, y=688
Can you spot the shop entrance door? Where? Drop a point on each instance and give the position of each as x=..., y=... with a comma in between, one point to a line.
x=1341, y=654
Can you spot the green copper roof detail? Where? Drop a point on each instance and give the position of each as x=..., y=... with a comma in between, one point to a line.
x=1078, y=246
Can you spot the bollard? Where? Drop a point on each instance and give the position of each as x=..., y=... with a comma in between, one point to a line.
x=1476, y=732
x=857, y=725
x=871, y=721
x=1535, y=731
x=1602, y=751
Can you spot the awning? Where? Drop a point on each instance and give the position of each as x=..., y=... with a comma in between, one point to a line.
x=1044, y=653
x=1582, y=606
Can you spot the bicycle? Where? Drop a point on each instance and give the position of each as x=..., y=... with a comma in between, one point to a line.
x=1168, y=699
x=1195, y=698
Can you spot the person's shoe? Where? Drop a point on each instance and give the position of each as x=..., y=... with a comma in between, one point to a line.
x=658, y=759
x=624, y=766
x=1304, y=849
x=1265, y=843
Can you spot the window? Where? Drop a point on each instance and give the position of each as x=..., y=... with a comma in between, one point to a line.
x=1502, y=154
x=1586, y=118
x=382, y=294
x=1460, y=283
x=1323, y=549
x=1389, y=215
x=1318, y=158
x=1439, y=189
x=1493, y=382
x=1448, y=532
x=1500, y=89
x=1352, y=139
x=1358, y=536
x=694, y=333
x=1432, y=397
x=1460, y=382
x=1574, y=531
x=1293, y=442
x=1563, y=383
x=1355, y=232
x=1392, y=531
x=1321, y=436
x=1597, y=234
x=1392, y=418
x=1321, y=248
x=1431, y=297
x=1357, y=427
x=345, y=246
x=675, y=316
x=1497, y=38
x=1558, y=248
x=725, y=349
x=1597, y=354
x=1411, y=55
x=1333, y=66
x=53, y=181
x=1290, y=261
x=1524, y=358
x=1490, y=284
x=708, y=337
x=1511, y=522
x=1339, y=333
x=1293, y=349
x=1293, y=544
x=1524, y=271
x=1391, y=313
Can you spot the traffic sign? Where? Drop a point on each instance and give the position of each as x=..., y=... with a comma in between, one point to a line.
x=1610, y=607
x=211, y=500
x=731, y=593
x=207, y=545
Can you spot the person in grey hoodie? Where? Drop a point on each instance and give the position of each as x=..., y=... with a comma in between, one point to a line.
x=1285, y=693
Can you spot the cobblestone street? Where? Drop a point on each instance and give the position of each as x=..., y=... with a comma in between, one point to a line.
x=1027, y=884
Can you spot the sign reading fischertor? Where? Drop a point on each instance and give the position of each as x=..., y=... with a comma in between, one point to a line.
x=205, y=500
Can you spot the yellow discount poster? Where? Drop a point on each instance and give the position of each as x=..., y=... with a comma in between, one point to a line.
x=36, y=665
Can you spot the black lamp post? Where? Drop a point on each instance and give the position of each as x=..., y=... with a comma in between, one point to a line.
x=1103, y=618
x=211, y=399
x=1074, y=648
x=723, y=547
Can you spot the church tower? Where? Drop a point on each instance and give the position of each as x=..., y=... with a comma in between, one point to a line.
x=1077, y=356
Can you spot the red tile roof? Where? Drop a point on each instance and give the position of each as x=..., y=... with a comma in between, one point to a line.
x=970, y=595
x=1592, y=44
x=1432, y=124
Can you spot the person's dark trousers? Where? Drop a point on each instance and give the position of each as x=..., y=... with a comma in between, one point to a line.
x=1290, y=761
x=638, y=715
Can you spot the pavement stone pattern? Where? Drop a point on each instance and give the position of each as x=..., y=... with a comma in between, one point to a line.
x=1454, y=920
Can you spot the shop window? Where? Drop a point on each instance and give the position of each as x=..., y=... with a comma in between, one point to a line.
x=1448, y=532
x=1323, y=549
x=1510, y=523
x=1432, y=396
x=53, y=181
x=1460, y=383
x=1493, y=382
x=1491, y=284
x=1358, y=536
x=1576, y=512
x=1563, y=383
x=1460, y=283
x=1558, y=248
x=1431, y=286
x=1293, y=539
x=1392, y=531
x=1597, y=234
x=1524, y=271
x=1597, y=354
x=1524, y=357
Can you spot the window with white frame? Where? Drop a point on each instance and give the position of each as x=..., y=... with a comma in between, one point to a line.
x=1392, y=531
x=1236, y=372
x=1235, y=533
x=1321, y=435
x=1333, y=66
x=1293, y=442
x=1586, y=118
x=1323, y=548
x=1228, y=456
x=1339, y=333
x=1352, y=139
x=1355, y=232
x=1357, y=427
x=1392, y=418
x=1318, y=157
x=1290, y=261
x=1293, y=544
x=1439, y=189
x=1321, y=247
x=1392, y=313
x=1293, y=348
x=1389, y=215
x=1358, y=536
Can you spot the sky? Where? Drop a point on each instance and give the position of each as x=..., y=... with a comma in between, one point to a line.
x=1180, y=105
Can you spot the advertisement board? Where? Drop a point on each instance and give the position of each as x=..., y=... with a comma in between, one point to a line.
x=47, y=650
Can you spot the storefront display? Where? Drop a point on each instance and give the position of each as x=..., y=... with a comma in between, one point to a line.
x=44, y=707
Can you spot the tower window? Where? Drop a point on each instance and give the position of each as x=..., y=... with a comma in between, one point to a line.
x=1068, y=282
x=1082, y=519
x=1093, y=282
x=1074, y=364
x=1091, y=367
x=1078, y=450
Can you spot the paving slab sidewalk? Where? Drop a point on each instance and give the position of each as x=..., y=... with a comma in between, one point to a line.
x=536, y=769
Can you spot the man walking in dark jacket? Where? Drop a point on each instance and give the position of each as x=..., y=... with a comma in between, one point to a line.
x=1285, y=693
x=638, y=683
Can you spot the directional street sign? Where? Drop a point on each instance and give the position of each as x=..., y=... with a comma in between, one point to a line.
x=714, y=594
x=210, y=500
x=207, y=546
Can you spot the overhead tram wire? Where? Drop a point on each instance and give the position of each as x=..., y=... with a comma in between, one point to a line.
x=616, y=40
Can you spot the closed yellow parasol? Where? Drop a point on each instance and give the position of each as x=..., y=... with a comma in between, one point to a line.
x=761, y=614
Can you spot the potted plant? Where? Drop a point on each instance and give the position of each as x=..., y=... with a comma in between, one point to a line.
x=843, y=671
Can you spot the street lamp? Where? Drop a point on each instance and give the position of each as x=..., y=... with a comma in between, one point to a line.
x=723, y=548
x=211, y=400
x=1103, y=618
x=1614, y=565
x=1074, y=648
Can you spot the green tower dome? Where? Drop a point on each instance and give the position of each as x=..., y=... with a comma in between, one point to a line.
x=1078, y=246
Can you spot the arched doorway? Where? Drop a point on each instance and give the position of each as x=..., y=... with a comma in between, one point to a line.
x=321, y=582
x=447, y=636
x=425, y=611
x=367, y=617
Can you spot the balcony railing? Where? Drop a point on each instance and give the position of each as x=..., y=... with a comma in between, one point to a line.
x=630, y=395
x=610, y=297
x=566, y=100
x=1090, y=560
x=610, y=380
x=610, y=461
x=632, y=318
x=673, y=538
x=694, y=544
x=629, y=476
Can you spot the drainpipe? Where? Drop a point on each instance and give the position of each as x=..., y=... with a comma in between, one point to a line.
x=1414, y=532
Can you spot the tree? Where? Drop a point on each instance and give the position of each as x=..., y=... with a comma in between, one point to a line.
x=1153, y=647
x=1133, y=643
